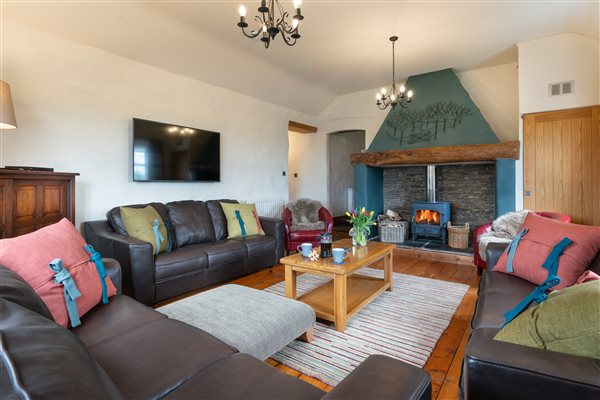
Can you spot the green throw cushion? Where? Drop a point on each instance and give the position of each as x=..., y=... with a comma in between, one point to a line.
x=242, y=220
x=567, y=322
x=140, y=222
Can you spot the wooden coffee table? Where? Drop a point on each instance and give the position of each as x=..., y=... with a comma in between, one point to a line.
x=348, y=292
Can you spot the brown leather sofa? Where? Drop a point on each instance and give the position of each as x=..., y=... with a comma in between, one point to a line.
x=127, y=350
x=498, y=370
x=201, y=253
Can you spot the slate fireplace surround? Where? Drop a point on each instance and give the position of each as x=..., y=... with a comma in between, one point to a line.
x=469, y=190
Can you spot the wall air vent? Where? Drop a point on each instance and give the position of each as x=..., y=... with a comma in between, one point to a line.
x=560, y=88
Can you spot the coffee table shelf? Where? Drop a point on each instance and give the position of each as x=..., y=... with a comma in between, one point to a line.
x=361, y=289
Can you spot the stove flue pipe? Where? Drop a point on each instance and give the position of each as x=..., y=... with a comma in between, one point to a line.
x=431, y=187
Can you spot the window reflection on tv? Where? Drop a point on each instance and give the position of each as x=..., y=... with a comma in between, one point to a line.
x=169, y=152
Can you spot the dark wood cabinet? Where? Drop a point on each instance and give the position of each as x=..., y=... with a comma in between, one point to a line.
x=30, y=200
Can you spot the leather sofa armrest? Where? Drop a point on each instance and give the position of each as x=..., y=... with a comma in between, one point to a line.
x=113, y=270
x=493, y=253
x=381, y=377
x=275, y=227
x=498, y=370
x=135, y=256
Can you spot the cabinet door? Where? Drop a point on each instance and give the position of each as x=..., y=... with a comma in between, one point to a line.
x=5, y=208
x=52, y=202
x=24, y=207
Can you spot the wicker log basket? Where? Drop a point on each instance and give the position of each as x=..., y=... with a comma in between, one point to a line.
x=458, y=236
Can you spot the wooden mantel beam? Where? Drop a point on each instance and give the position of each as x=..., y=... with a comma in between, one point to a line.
x=439, y=155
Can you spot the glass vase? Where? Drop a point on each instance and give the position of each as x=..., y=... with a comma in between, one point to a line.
x=359, y=236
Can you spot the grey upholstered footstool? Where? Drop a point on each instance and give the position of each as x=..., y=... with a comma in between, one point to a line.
x=252, y=321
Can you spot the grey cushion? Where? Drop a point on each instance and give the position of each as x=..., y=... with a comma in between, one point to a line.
x=305, y=211
x=253, y=321
x=191, y=222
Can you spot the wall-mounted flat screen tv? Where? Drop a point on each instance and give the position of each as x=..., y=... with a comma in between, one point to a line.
x=169, y=152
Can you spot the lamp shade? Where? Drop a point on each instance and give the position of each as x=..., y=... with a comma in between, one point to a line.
x=7, y=112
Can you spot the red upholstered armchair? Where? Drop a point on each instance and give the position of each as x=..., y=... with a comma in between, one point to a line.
x=479, y=262
x=295, y=238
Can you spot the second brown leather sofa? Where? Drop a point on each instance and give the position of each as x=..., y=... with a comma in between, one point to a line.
x=201, y=256
x=126, y=350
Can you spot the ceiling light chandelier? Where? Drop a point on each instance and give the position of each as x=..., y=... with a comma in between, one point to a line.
x=396, y=95
x=269, y=26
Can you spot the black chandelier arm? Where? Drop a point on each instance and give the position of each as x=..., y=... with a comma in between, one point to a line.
x=291, y=40
x=253, y=34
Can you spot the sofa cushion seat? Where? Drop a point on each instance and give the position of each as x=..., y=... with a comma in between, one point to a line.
x=41, y=359
x=246, y=378
x=497, y=282
x=223, y=252
x=184, y=260
x=122, y=314
x=258, y=245
x=151, y=360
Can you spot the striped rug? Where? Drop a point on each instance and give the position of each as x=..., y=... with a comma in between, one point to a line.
x=405, y=324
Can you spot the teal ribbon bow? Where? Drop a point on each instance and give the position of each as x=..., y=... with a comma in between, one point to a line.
x=241, y=221
x=538, y=295
x=96, y=257
x=511, y=250
x=170, y=247
x=63, y=277
x=157, y=235
x=551, y=263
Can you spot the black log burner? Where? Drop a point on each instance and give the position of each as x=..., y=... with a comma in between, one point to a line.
x=430, y=218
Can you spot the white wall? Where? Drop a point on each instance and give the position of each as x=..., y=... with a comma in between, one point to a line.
x=74, y=106
x=495, y=90
x=304, y=148
x=554, y=59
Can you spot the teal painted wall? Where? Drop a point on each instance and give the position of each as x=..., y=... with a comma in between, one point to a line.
x=442, y=114
x=368, y=190
x=505, y=186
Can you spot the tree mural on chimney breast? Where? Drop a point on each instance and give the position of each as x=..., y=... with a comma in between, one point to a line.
x=425, y=125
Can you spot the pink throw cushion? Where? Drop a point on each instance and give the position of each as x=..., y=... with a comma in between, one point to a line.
x=536, y=245
x=587, y=276
x=30, y=254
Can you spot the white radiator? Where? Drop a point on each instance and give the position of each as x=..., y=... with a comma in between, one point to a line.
x=268, y=208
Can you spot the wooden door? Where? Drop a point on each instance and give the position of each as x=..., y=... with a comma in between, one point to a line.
x=561, y=163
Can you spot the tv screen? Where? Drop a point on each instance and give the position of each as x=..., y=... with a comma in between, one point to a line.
x=168, y=152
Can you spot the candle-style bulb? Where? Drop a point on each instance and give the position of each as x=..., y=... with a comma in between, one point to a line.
x=378, y=96
x=383, y=91
x=297, y=4
x=295, y=23
x=409, y=94
x=402, y=89
x=242, y=11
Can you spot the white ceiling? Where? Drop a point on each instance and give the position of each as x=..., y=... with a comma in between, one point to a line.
x=344, y=45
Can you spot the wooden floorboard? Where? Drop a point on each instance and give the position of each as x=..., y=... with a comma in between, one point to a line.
x=445, y=362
